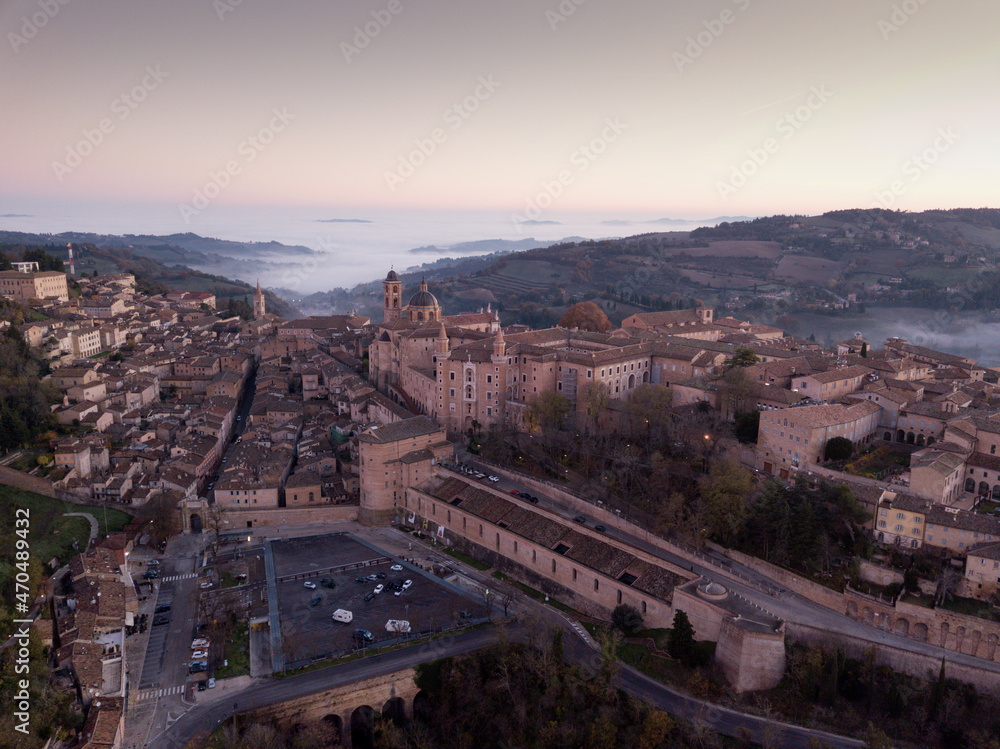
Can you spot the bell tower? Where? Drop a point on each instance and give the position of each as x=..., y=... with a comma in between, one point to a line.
x=392, y=292
x=258, y=303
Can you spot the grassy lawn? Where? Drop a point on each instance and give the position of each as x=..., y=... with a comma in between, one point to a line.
x=52, y=534
x=237, y=653
x=537, y=594
x=228, y=581
x=464, y=558
x=970, y=607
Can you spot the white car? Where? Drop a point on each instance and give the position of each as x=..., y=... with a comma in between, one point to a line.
x=211, y=682
x=494, y=479
x=379, y=588
x=200, y=644
x=199, y=654
x=204, y=586
x=310, y=585
x=396, y=568
x=407, y=584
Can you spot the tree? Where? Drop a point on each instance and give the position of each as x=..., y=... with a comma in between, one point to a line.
x=161, y=513
x=586, y=316
x=680, y=641
x=838, y=448
x=548, y=410
x=742, y=357
x=626, y=619
x=747, y=427
x=723, y=495
x=864, y=349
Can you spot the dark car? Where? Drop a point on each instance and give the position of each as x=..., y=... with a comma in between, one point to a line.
x=315, y=601
x=161, y=620
x=465, y=614
x=380, y=576
x=369, y=597
x=150, y=574
x=162, y=608
x=363, y=635
x=580, y=519
x=360, y=580
x=202, y=686
x=327, y=582
x=533, y=499
x=600, y=528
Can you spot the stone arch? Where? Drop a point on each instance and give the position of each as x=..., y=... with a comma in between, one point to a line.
x=931, y=441
x=974, y=639
x=887, y=436
x=920, y=440
x=920, y=632
x=984, y=488
x=945, y=631
x=852, y=609
x=991, y=646
x=645, y=377
x=395, y=710
x=631, y=381
x=335, y=724
x=362, y=727
x=910, y=438
x=196, y=524
x=959, y=638
x=900, y=435
x=901, y=627
x=867, y=615
x=422, y=706
x=996, y=493
x=970, y=485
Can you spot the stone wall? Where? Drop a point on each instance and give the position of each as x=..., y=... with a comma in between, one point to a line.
x=19, y=480
x=903, y=661
x=751, y=657
x=238, y=519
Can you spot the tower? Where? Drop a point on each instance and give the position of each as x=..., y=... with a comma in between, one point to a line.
x=392, y=291
x=441, y=344
x=499, y=346
x=258, y=303
x=72, y=266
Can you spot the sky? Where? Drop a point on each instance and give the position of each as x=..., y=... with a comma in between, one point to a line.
x=687, y=108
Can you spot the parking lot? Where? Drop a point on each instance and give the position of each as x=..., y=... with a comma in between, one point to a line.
x=308, y=629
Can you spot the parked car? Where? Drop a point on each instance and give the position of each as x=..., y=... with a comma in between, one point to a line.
x=363, y=635
x=373, y=577
x=515, y=492
x=201, y=686
x=380, y=576
x=316, y=600
x=150, y=574
x=200, y=643
x=580, y=519
x=396, y=568
x=153, y=563
x=327, y=582
x=600, y=528
x=206, y=585
x=361, y=580
x=494, y=479
x=158, y=620
x=162, y=608
x=198, y=667
x=465, y=614
x=379, y=588
x=407, y=584
x=211, y=682
x=310, y=584
x=369, y=598
x=199, y=654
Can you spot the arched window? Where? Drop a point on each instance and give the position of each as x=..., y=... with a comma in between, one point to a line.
x=310, y=496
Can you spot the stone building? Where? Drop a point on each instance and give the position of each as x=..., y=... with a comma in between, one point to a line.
x=25, y=286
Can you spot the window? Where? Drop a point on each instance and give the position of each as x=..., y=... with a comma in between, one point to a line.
x=597, y=584
x=574, y=575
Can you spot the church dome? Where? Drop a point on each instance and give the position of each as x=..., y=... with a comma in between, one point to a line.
x=392, y=276
x=423, y=298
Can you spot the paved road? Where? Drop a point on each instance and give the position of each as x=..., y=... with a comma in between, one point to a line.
x=765, y=593
x=536, y=623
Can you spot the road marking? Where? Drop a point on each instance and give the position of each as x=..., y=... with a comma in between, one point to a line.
x=148, y=694
x=170, y=579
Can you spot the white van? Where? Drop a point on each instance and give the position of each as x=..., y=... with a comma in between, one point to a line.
x=343, y=615
x=397, y=625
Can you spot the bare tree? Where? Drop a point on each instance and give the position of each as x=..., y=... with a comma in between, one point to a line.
x=508, y=596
